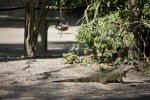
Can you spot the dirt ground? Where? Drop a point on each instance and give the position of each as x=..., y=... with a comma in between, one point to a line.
x=31, y=79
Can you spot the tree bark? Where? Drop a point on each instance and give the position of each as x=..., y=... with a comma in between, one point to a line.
x=41, y=44
x=133, y=19
x=31, y=33
x=29, y=29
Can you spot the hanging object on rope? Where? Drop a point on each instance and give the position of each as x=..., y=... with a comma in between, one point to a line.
x=62, y=26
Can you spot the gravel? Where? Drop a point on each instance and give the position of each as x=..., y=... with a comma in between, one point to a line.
x=32, y=78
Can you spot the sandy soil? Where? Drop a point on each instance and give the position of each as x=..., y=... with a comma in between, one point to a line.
x=30, y=78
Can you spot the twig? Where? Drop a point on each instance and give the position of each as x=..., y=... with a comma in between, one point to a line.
x=22, y=3
x=148, y=25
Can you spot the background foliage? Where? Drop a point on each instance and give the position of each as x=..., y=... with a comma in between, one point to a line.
x=106, y=27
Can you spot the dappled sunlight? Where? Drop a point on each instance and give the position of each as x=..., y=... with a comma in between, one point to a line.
x=101, y=42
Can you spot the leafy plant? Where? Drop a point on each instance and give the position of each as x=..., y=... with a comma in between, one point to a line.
x=71, y=57
x=107, y=28
x=105, y=34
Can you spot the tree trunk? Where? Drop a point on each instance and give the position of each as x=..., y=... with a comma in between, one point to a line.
x=134, y=19
x=41, y=45
x=31, y=33
x=133, y=23
x=29, y=29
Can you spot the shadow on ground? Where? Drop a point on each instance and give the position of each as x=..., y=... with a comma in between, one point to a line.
x=55, y=50
x=115, y=97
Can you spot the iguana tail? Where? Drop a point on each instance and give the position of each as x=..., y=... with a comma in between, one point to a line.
x=75, y=80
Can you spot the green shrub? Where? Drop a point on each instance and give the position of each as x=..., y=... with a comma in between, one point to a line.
x=106, y=34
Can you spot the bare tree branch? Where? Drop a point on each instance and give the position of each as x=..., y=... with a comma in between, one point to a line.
x=148, y=25
x=22, y=3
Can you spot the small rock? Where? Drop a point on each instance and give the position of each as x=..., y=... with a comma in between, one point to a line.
x=132, y=85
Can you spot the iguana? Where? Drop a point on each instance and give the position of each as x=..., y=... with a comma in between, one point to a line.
x=113, y=76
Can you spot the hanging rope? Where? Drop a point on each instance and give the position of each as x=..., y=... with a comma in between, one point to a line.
x=61, y=15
